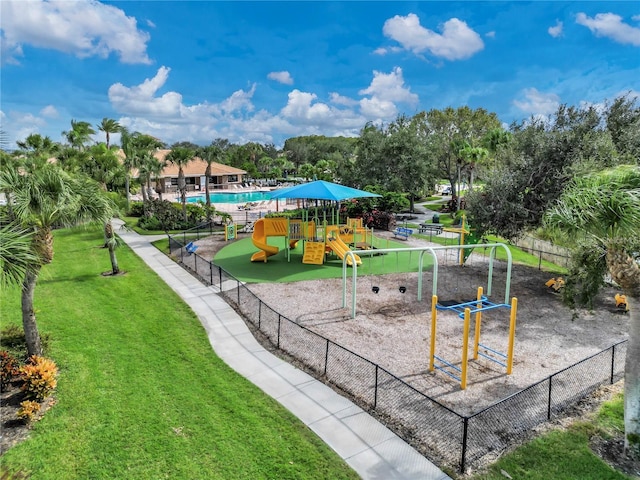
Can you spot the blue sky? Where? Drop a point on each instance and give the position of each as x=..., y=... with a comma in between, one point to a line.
x=266, y=71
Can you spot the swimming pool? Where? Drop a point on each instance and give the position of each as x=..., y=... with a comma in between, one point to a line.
x=242, y=197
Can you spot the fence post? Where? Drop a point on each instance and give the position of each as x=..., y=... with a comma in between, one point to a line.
x=465, y=433
x=613, y=362
x=238, y=287
x=326, y=356
x=211, y=272
x=540, y=260
x=220, y=277
x=279, y=322
x=375, y=389
x=549, y=399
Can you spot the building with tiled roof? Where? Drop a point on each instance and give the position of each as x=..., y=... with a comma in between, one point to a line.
x=222, y=176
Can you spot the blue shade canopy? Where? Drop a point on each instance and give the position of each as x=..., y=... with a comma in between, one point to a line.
x=321, y=190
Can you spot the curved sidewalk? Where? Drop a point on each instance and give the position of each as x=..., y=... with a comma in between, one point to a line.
x=370, y=448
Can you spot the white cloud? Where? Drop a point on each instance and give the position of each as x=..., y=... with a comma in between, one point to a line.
x=84, y=29
x=303, y=110
x=378, y=109
x=281, y=77
x=239, y=100
x=538, y=103
x=168, y=118
x=456, y=42
x=611, y=26
x=556, y=30
x=49, y=111
x=385, y=91
x=338, y=99
x=141, y=99
x=491, y=34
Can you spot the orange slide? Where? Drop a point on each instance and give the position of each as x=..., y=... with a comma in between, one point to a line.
x=269, y=227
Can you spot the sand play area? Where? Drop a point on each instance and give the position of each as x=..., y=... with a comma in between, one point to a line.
x=393, y=329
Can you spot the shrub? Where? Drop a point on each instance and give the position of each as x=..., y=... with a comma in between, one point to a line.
x=28, y=410
x=136, y=209
x=8, y=368
x=40, y=377
x=379, y=220
x=12, y=340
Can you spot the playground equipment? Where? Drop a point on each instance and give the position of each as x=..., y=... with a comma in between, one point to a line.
x=334, y=239
x=464, y=310
x=555, y=284
x=422, y=251
x=230, y=232
x=466, y=238
x=621, y=302
x=292, y=230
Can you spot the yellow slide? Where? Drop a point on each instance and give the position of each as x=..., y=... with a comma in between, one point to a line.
x=340, y=249
x=269, y=227
x=259, y=239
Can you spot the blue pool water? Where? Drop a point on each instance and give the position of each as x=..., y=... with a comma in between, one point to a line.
x=232, y=197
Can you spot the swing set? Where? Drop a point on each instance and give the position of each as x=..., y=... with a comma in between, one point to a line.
x=481, y=304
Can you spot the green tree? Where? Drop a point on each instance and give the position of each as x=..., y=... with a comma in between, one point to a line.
x=448, y=132
x=41, y=199
x=181, y=157
x=15, y=253
x=623, y=123
x=534, y=168
x=134, y=146
x=602, y=210
x=405, y=154
x=109, y=126
x=79, y=135
x=35, y=145
x=210, y=154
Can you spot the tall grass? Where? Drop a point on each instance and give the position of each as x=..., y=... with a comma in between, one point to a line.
x=141, y=394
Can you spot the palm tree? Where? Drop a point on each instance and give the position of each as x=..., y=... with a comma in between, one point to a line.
x=156, y=167
x=79, y=135
x=15, y=253
x=209, y=154
x=37, y=145
x=134, y=145
x=109, y=126
x=603, y=209
x=41, y=199
x=181, y=156
x=474, y=156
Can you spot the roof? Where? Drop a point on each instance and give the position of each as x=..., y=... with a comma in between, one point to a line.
x=195, y=168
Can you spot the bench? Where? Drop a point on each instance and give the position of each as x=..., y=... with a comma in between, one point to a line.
x=191, y=248
x=402, y=232
x=431, y=228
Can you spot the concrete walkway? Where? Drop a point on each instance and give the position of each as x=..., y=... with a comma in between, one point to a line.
x=370, y=448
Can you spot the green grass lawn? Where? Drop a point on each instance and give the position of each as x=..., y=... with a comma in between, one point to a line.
x=563, y=454
x=141, y=394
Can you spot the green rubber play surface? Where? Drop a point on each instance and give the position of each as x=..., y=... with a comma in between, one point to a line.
x=235, y=259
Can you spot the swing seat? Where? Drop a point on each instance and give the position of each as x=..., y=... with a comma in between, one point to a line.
x=449, y=303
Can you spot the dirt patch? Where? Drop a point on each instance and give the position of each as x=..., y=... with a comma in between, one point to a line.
x=13, y=429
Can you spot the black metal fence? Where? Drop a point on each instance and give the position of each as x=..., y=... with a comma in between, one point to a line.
x=438, y=432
